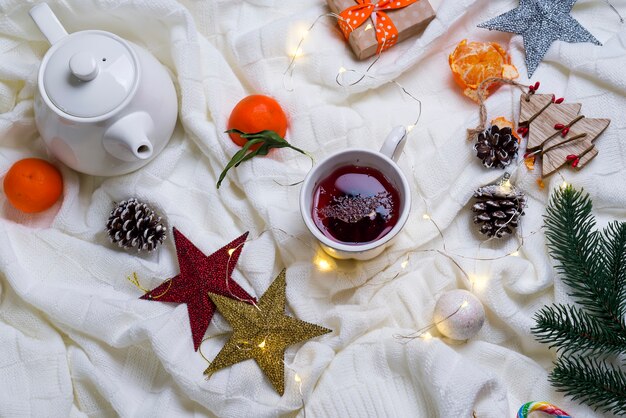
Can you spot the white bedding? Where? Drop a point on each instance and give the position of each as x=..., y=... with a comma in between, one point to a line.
x=76, y=341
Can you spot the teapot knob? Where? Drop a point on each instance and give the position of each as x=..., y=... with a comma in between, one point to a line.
x=84, y=66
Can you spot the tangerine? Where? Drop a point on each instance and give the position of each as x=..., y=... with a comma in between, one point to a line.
x=473, y=62
x=33, y=185
x=502, y=122
x=254, y=114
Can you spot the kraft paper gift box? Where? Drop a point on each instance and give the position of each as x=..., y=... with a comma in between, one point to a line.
x=409, y=20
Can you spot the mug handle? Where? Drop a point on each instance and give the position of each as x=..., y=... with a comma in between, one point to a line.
x=394, y=144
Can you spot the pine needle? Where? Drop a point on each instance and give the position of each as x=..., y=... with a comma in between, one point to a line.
x=593, y=382
x=590, y=336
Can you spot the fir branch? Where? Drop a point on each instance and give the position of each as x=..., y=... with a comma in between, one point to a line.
x=591, y=381
x=569, y=329
x=577, y=247
x=615, y=260
x=593, y=265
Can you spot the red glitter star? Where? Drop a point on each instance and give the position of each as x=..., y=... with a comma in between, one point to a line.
x=199, y=275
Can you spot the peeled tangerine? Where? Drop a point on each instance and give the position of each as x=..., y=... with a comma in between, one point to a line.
x=502, y=122
x=473, y=62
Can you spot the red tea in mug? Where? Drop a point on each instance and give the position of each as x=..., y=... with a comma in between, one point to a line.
x=355, y=205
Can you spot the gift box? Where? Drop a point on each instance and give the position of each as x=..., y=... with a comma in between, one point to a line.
x=374, y=27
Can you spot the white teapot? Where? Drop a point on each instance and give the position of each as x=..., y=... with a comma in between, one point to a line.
x=104, y=106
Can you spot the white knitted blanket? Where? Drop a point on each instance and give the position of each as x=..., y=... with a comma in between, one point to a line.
x=76, y=341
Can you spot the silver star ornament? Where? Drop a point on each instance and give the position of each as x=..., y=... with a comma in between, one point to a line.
x=541, y=22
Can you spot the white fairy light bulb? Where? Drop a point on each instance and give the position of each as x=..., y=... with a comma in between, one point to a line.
x=323, y=262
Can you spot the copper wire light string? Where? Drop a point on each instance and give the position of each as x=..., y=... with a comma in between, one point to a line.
x=289, y=72
x=420, y=332
x=621, y=19
x=444, y=251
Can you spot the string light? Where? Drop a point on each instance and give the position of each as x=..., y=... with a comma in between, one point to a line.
x=298, y=380
x=231, y=251
x=478, y=282
x=134, y=279
x=621, y=19
x=448, y=254
x=289, y=71
x=506, y=186
x=297, y=53
x=288, y=74
x=424, y=333
x=262, y=345
x=323, y=265
x=564, y=184
x=323, y=261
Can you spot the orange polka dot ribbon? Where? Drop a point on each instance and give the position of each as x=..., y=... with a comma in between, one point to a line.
x=386, y=31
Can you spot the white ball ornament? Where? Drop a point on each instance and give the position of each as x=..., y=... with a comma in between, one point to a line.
x=459, y=315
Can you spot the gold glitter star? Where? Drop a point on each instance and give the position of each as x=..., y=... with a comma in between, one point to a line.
x=262, y=333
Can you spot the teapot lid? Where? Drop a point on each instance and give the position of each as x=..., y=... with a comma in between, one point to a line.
x=89, y=74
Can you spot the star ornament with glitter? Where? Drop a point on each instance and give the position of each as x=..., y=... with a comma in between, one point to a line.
x=262, y=332
x=199, y=275
x=541, y=22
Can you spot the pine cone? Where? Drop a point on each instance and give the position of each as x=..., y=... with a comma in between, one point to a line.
x=498, y=209
x=134, y=224
x=496, y=146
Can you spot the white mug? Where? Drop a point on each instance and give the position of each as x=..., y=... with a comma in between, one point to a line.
x=385, y=162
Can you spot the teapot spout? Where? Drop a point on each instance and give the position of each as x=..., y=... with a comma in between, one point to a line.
x=48, y=23
x=127, y=138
